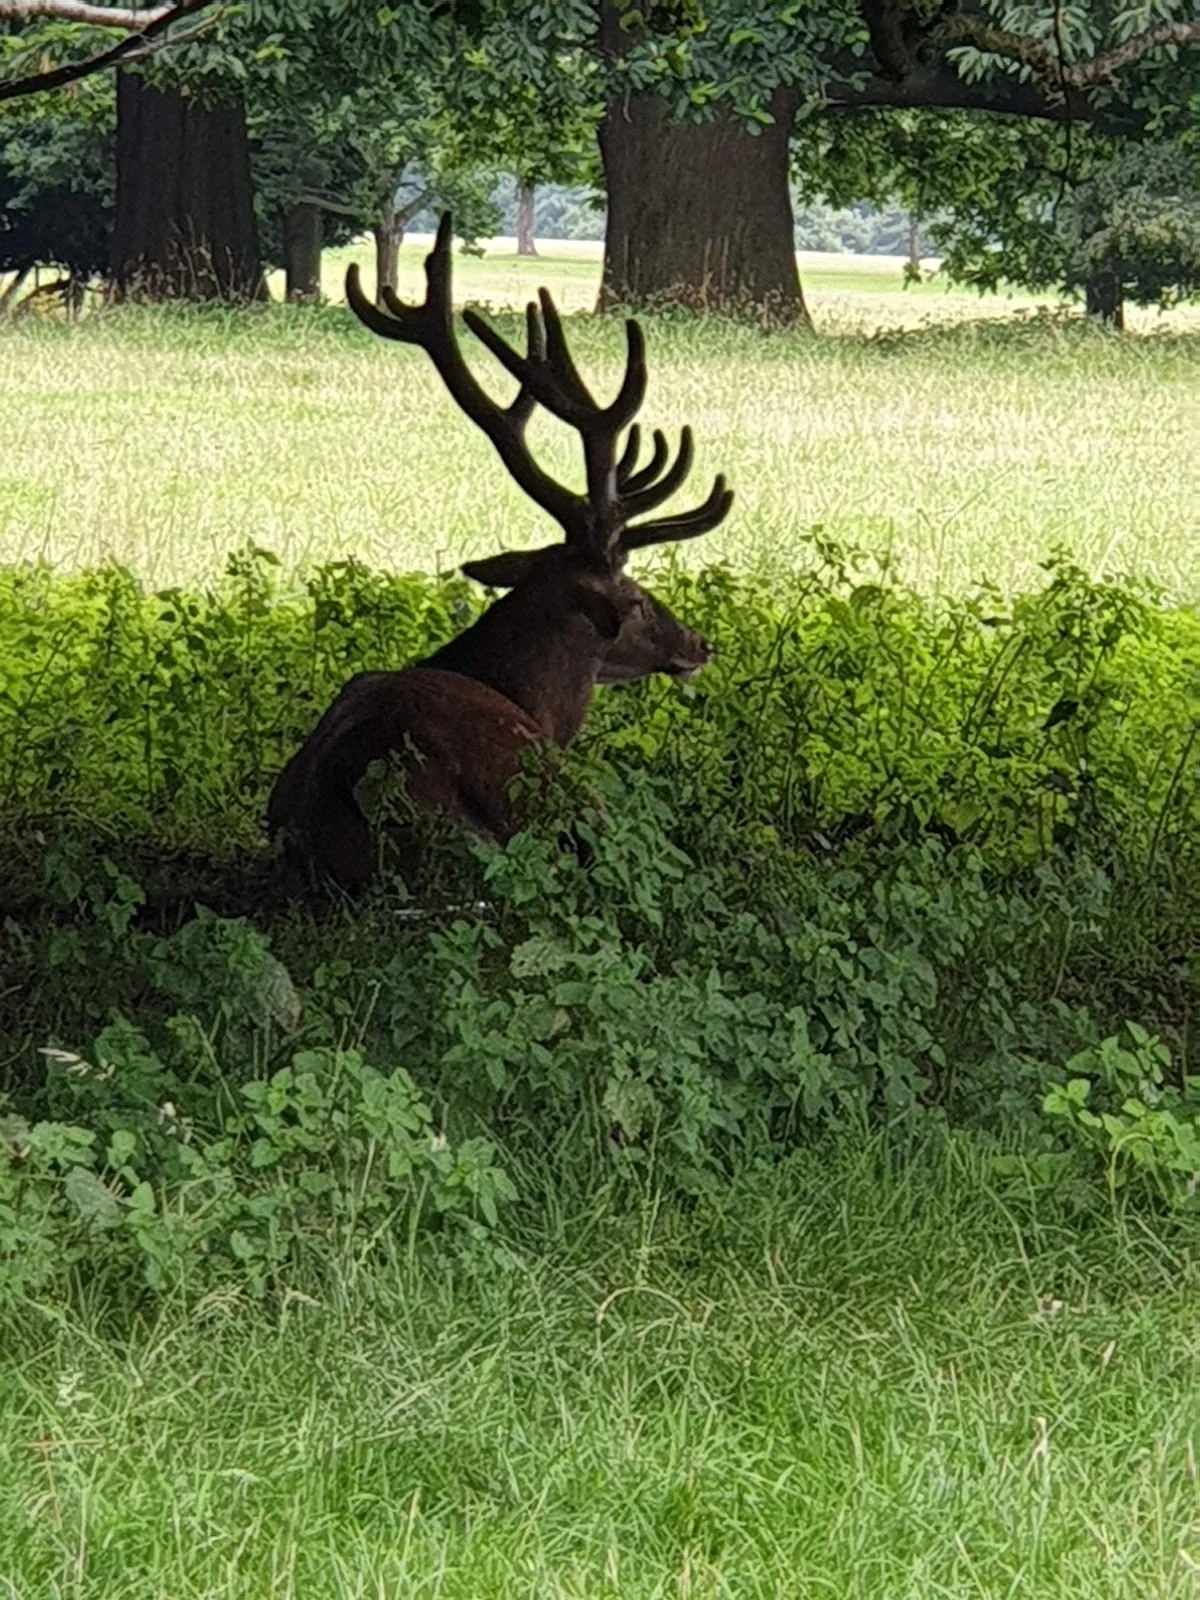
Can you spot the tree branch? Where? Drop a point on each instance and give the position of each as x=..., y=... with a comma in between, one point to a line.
x=325, y=202
x=958, y=29
x=935, y=85
x=134, y=47
x=915, y=73
x=144, y=47
x=95, y=16
x=1100, y=68
x=414, y=207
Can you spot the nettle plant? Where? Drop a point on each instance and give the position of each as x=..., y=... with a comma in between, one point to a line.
x=213, y=1145
x=326, y=1155
x=1121, y=1111
x=701, y=1012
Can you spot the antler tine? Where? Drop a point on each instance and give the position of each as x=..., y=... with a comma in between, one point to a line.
x=554, y=378
x=666, y=530
x=551, y=376
x=633, y=386
x=643, y=493
x=531, y=372
x=633, y=449
x=409, y=324
x=627, y=477
x=403, y=322
x=574, y=394
x=521, y=408
x=431, y=327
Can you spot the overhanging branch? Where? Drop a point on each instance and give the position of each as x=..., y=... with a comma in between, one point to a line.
x=958, y=29
x=326, y=202
x=135, y=46
x=413, y=208
x=94, y=16
x=1102, y=67
x=914, y=72
x=936, y=86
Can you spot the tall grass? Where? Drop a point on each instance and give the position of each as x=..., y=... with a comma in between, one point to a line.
x=868, y=1376
x=969, y=451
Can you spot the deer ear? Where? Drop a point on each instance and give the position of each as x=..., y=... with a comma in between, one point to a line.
x=506, y=570
x=599, y=610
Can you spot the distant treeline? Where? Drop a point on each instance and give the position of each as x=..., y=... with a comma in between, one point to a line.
x=576, y=213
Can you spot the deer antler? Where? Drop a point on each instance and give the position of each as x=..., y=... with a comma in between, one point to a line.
x=617, y=490
x=431, y=326
x=688, y=525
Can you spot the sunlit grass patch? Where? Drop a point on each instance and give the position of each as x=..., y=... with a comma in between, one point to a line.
x=162, y=438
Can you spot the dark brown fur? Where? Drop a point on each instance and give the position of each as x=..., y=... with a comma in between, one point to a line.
x=460, y=744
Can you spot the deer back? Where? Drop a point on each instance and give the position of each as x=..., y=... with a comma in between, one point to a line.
x=460, y=744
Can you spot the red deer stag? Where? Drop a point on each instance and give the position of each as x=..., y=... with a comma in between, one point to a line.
x=525, y=671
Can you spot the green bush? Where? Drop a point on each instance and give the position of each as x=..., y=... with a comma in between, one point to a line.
x=888, y=856
x=838, y=697
x=244, y=1180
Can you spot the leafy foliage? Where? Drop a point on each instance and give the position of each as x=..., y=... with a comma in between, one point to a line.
x=324, y=1147
x=1136, y=221
x=1023, y=204
x=889, y=855
x=57, y=185
x=1119, y=1108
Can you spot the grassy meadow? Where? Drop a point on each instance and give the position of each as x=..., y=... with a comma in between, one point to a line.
x=966, y=449
x=709, y=1221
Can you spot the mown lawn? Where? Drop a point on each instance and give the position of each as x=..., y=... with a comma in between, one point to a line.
x=965, y=451
x=866, y=1375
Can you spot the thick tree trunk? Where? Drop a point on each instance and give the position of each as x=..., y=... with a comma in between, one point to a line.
x=1105, y=300
x=525, y=240
x=184, y=225
x=303, y=232
x=699, y=214
x=387, y=247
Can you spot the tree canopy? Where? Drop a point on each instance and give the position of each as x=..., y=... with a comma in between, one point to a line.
x=346, y=96
x=1095, y=61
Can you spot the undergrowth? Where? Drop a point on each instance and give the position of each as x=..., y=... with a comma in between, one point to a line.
x=889, y=858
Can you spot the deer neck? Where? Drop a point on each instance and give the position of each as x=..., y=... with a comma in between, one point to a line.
x=547, y=666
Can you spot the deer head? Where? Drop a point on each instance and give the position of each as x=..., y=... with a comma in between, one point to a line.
x=570, y=605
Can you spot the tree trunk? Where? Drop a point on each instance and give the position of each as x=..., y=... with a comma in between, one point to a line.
x=302, y=239
x=387, y=248
x=184, y=225
x=699, y=214
x=914, y=246
x=525, y=240
x=1105, y=300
